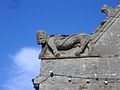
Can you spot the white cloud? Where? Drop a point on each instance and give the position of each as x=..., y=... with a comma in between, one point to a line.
x=28, y=67
x=26, y=59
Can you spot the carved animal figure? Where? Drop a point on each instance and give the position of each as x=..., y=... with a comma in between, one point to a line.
x=62, y=42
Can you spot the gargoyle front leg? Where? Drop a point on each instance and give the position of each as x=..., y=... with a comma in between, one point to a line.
x=53, y=46
x=54, y=50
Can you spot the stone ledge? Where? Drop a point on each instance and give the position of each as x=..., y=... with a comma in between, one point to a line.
x=81, y=66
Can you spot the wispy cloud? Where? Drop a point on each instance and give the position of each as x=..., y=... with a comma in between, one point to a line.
x=27, y=67
x=10, y=4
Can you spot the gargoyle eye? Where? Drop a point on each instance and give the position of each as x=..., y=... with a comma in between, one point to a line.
x=41, y=35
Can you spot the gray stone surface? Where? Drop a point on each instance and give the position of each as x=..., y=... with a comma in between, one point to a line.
x=106, y=40
x=86, y=67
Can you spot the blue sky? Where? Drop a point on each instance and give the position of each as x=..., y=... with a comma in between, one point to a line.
x=19, y=21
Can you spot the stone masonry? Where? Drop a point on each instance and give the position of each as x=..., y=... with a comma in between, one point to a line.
x=96, y=68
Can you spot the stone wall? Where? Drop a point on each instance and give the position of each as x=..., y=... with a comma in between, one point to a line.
x=106, y=40
x=97, y=69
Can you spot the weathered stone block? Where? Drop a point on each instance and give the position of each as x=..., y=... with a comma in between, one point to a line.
x=101, y=68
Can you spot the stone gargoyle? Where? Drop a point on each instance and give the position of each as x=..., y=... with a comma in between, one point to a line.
x=57, y=43
x=77, y=45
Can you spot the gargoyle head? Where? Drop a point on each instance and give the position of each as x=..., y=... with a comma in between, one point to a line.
x=41, y=37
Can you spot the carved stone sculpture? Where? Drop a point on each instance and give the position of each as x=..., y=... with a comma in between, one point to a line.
x=78, y=45
x=107, y=10
x=57, y=43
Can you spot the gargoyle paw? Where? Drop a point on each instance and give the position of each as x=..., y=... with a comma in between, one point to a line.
x=77, y=53
x=57, y=54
